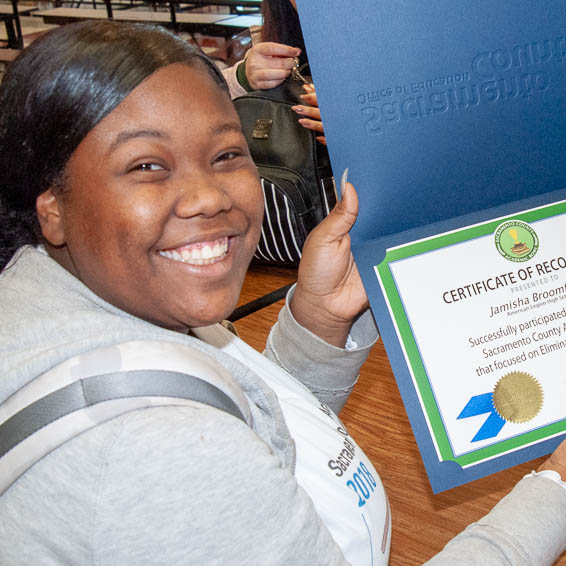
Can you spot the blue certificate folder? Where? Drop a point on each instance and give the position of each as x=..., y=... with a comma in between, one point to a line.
x=448, y=114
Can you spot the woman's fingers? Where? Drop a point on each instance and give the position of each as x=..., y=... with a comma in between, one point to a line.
x=269, y=64
x=311, y=113
x=314, y=125
x=345, y=212
x=311, y=119
x=310, y=98
x=271, y=49
x=307, y=111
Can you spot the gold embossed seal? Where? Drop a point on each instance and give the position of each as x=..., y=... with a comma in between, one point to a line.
x=518, y=397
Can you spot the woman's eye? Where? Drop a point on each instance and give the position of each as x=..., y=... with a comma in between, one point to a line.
x=228, y=155
x=147, y=167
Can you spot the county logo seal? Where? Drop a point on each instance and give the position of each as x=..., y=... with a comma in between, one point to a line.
x=516, y=240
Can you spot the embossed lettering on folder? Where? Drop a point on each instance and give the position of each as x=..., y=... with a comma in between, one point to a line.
x=451, y=117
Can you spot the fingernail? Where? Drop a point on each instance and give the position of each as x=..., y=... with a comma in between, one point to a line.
x=297, y=109
x=343, y=181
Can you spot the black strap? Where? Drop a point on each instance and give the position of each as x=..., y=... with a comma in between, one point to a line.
x=99, y=388
x=257, y=304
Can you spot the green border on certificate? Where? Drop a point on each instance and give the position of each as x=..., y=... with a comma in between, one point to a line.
x=412, y=355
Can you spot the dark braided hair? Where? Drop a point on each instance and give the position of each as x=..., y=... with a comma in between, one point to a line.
x=55, y=92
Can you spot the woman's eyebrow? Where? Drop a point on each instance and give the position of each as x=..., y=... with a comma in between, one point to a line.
x=128, y=135
x=226, y=128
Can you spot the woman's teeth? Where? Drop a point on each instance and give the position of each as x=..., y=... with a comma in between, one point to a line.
x=199, y=254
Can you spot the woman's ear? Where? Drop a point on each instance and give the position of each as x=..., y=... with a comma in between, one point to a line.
x=50, y=218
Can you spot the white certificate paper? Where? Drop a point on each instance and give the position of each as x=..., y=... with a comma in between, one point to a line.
x=477, y=309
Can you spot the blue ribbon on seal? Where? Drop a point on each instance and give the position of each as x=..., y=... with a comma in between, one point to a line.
x=479, y=405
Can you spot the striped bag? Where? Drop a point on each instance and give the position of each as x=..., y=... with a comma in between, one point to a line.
x=294, y=169
x=290, y=214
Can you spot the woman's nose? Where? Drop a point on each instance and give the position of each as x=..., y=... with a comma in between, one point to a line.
x=202, y=195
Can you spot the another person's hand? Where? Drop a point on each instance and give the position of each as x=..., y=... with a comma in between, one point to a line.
x=311, y=113
x=556, y=461
x=268, y=64
x=329, y=294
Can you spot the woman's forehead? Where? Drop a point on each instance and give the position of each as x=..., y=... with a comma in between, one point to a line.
x=177, y=74
x=187, y=85
x=177, y=98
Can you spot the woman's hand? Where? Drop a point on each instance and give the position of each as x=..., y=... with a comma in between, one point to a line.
x=556, y=461
x=268, y=64
x=329, y=294
x=311, y=113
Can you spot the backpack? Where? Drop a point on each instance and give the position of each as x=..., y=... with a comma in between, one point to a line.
x=294, y=170
x=72, y=397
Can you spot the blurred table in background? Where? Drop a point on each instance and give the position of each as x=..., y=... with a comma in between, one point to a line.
x=223, y=36
x=236, y=6
x=10, y=16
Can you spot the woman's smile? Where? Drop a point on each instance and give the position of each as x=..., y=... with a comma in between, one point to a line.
x=200, y=253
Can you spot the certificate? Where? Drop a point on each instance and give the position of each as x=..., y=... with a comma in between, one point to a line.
x=451, y=119
x=480, y=313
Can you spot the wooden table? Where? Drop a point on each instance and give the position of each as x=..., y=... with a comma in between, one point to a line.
x=226, y=26
x=422, y=522
x=6, y=56
x=68, y=15
x=223, y=25
x=9, y=14
x=232, y=4
x=243, y=21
